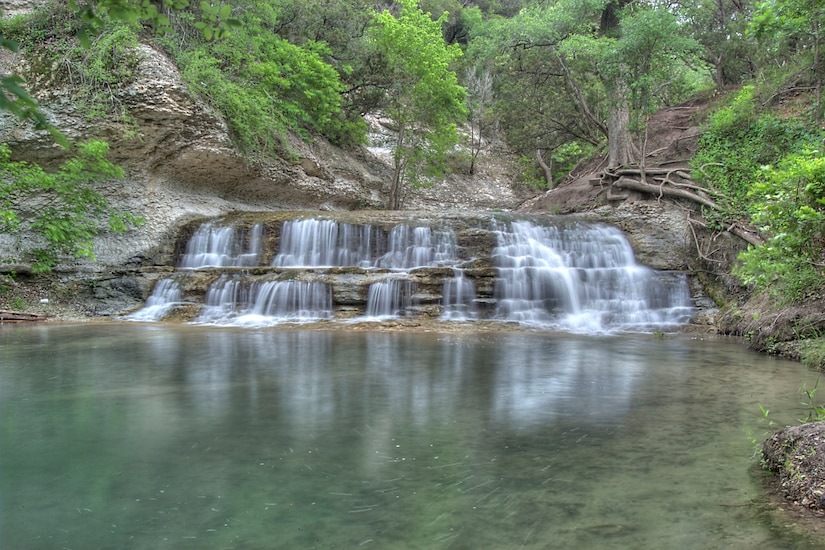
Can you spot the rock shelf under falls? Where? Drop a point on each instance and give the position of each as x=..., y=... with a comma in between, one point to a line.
x=254, y=271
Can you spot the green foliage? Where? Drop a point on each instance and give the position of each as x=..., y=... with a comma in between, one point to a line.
x=264, y=85
x=789, y=207
x=423, y=96
x=816, y=413
x=771, y=171
x=812, y=352
x=214, y=18
x=61, y=208
x=737, y=142
x=92, y=73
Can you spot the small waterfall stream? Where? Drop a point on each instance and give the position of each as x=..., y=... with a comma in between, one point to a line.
x=579, y=277
x=582, y=279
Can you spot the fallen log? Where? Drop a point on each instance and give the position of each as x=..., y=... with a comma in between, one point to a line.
x=18, y=316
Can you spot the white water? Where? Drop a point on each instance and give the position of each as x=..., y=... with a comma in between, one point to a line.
x=165, y=295
x=214, y=245
x=390, y=298
x=232, y=301
x=326, y=243
x=583, y=279
x=459, y=296
x=577, y=278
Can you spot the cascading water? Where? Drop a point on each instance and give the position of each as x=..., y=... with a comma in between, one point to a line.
x=390, y=298
x=235, y=301
x=225, y=298
x=578, y=277
x=459, y=296
x=165, y=295
x=327, y=243
x=583, y=279
x=290, y=301
x=214, y=245
x=418, y=247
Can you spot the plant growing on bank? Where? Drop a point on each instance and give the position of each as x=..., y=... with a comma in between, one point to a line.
x=61, y=209
x=771, y=171
x=264, y=85
x=789, y=206
x=92, y=72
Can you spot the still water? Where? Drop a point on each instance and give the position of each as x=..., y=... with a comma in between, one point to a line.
x=125, y=436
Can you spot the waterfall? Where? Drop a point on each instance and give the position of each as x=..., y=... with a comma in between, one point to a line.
x=458, y=299
x=327, y=243
x=165, y=295
x=582, y=279
x=225, y=298
x=234, y=301
x=418, y=247
x=389, y=298
x=214, y=245
x=575, y=277
x=292, y=301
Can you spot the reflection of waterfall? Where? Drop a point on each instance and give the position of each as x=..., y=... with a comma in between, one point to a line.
x=583, y=279
x=214, y=245
x=165, y=295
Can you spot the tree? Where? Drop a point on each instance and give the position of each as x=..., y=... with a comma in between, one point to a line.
x=720, y=26
x=422, y=94
x=572, y=71
x=479, y=100
x=795, y=26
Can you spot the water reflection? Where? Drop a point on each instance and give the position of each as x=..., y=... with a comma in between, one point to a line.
x=164, y=437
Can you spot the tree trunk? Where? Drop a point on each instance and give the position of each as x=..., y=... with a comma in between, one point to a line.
x=620, y=149
x=619, y=138
x=394, y=198
x=547, y=169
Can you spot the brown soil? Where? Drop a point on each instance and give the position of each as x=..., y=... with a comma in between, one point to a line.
x=671, y=141
x=796, y=456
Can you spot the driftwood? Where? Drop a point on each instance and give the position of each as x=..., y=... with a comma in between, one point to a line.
x=18, y=317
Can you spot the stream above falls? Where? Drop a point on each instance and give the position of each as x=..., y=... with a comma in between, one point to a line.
x=546, y=272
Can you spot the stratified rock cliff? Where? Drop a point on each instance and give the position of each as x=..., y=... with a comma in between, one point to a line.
x=180, y=161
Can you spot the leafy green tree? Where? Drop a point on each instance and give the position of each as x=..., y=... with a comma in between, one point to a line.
x=61, y=208
x=720, y=27
x=796, y=28
x=542, y=98
x=422, y=94
x=571, y=71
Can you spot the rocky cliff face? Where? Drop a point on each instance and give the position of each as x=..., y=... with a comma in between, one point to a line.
x=181, y=162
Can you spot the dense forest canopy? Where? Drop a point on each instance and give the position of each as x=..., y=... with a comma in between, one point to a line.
x=557, y=80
